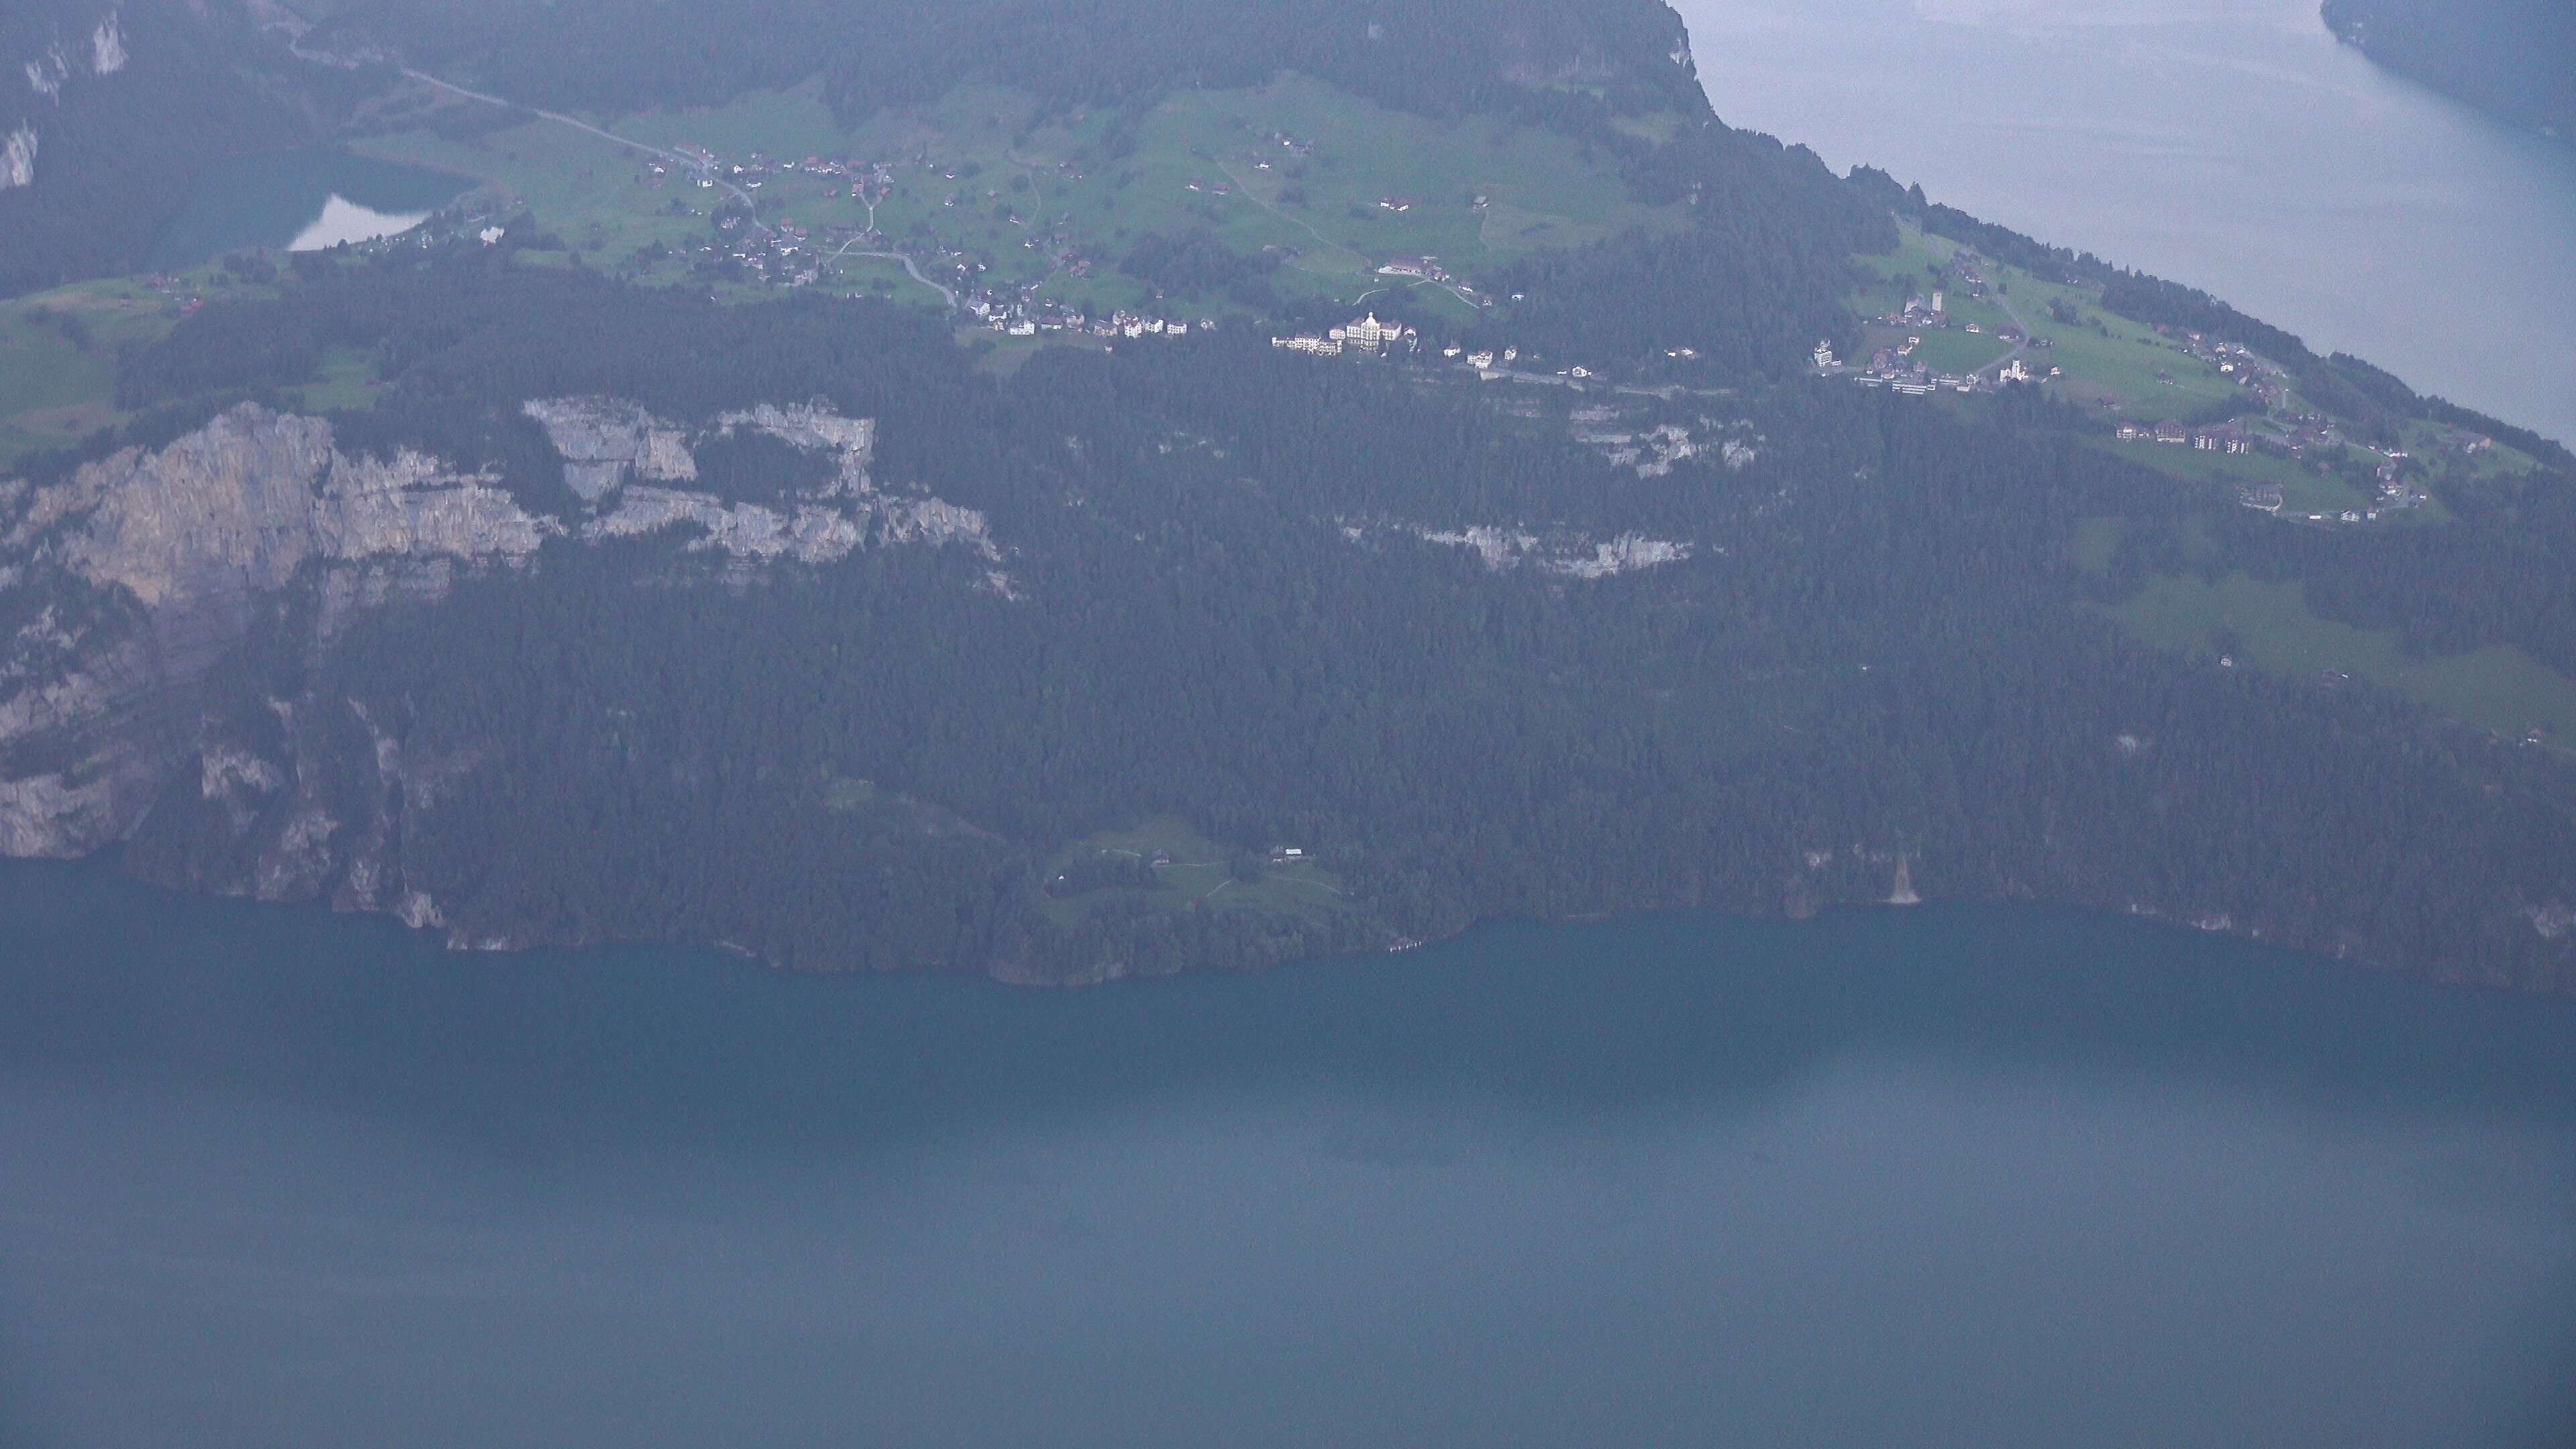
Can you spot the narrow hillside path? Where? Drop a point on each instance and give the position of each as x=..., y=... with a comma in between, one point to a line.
x=946, y=294
x=578, y=124
x=1244, y=190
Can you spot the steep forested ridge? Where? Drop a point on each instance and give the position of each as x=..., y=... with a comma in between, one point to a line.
x=602, y=611
x=1234, y=596
x=2513, y=58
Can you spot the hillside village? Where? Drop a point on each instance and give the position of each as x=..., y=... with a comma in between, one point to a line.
x=753, y=238
x=2244, y=408
x=928, y=216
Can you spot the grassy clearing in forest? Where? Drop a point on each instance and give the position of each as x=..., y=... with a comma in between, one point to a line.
x=1185, y=869
x=2304, y=490
x=2498, y=687
x=58, y=354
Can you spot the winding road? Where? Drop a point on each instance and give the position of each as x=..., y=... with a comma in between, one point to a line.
x=559, y=118
x=946, y=294
x=1996, y=367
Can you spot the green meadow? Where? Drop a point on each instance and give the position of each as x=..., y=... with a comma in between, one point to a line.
x=2498, y=688
x=1187, y=869
x=1332, y=186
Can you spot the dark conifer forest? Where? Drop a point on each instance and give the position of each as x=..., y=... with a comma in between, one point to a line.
x=1224, y=607
x=2515, y=59
x=1431, y=633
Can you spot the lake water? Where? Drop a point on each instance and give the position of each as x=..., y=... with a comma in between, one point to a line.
x=305, y=200
x=2231, y=144
x=1947, y=1177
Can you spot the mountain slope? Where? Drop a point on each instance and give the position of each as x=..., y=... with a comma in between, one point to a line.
x=526, y=653
x=2513, y=58
x=461, y=579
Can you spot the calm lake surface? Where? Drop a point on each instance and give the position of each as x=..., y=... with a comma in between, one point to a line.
x=2231, y=144
x=299, y=201
x=1949, y=1177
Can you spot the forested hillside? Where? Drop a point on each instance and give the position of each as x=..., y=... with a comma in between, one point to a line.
x=538, y=590
x=2513, y=58
x=1264, y=596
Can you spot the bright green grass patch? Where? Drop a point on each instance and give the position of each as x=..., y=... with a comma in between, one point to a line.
x=2498, y=687
x=2304, y=490
x=1187, y=869
x=592, y=193
x=58, y=354
x=2104, y=358
x=878, y=277
x=2109, y=358
x=979, y=175
x=1904, y=271
x=2437, y=448
x=346, y=382
x=1951, y=350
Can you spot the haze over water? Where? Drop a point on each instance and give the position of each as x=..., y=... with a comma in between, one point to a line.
x=2231, y=144
x=1948, y=1177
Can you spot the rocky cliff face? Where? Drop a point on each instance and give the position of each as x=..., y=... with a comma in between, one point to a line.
x=625, y=464
x=125, y=585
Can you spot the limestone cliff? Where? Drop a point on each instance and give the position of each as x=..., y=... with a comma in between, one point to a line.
x=125, y=582
x=621, y=460
x=123, y=585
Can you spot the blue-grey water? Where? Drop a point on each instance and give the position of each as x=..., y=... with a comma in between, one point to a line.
x=2231, y=144
x=1947, y=1177
x=304, y=200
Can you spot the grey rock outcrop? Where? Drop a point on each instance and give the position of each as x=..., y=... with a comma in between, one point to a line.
x=1564, y=553
x=606, y=442
x=139, y=571
x=239, y=507
x=621, y=460
x=123, y=586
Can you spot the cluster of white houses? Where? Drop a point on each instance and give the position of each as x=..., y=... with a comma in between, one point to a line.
x=2208, y=440
x=1026, y=317
x=1116, y=324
